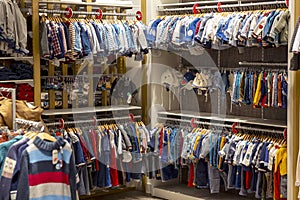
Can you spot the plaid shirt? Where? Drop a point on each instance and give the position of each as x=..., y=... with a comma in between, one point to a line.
x=55, y=41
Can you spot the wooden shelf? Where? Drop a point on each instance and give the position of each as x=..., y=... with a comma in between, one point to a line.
x=29, y=81
x=226, y=118
x=89, y=110
x=122, y=4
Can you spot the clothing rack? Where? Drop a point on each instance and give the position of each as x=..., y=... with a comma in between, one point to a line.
x=223, y=125
x=218, y=5
x=13, y=99
x=92, y=120
x=263, y=64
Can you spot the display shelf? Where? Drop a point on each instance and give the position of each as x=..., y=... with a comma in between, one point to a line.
x=182, y=191
x=122, y=4
x=17, y=58
x=226, y=118
x=29, y=81
x=89, y=110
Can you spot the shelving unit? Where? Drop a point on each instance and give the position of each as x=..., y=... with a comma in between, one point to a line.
x=88, y=110
x=225, y=118
x=17, y=58
x=29, y=81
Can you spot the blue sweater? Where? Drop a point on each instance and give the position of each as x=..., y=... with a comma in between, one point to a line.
x=40, y=179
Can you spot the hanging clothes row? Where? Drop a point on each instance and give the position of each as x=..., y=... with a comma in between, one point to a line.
x=253, y=164
x=78, y=38
x=103, y=157
x=13, y=29
x=261, y=89
x=220, y=30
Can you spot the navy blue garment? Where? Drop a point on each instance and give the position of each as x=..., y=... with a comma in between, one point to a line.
x=8, y=74
x=238, y=177
x=23, y=70
x=201, y=174
x=284, y=92
x=63, y=50
x=78, y=152
x=247, y=89
x=232, y=179
x=169, y=172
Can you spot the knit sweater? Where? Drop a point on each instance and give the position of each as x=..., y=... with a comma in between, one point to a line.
x=40, y=179
x=10, y=174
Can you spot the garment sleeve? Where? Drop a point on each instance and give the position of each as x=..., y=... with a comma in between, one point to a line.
x=21, y=26
x=10, y=23
x=7, y=173
x=23, y=186
x=44, y=40
x=73, y=177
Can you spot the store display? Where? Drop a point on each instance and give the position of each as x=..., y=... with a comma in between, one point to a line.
x=82, y=60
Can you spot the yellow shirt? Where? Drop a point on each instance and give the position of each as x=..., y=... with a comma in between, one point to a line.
x=258, y=91
x=281, y=161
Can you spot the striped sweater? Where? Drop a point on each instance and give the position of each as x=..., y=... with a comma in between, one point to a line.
x=39, y=177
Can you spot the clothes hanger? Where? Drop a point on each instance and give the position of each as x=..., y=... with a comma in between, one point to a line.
x=46, y=136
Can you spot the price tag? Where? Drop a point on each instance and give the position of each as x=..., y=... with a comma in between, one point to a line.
x=54, y=157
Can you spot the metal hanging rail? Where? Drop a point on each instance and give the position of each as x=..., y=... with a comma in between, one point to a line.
x=220, y=6
x=122, y=4
x=13, y=99
x=222, y=125
x=92, y=121
x=68, y=12
x=244, y=63
x=197, y=2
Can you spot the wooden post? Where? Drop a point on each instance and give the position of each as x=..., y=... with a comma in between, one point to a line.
x=293, y=111
x=51, y=69
x=36, y=53
x=65, y=93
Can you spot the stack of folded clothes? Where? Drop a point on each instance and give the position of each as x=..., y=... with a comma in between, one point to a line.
x=18, y=71
x=25, y=92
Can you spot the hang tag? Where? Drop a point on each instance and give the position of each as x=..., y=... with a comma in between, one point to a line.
x=54, y=157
